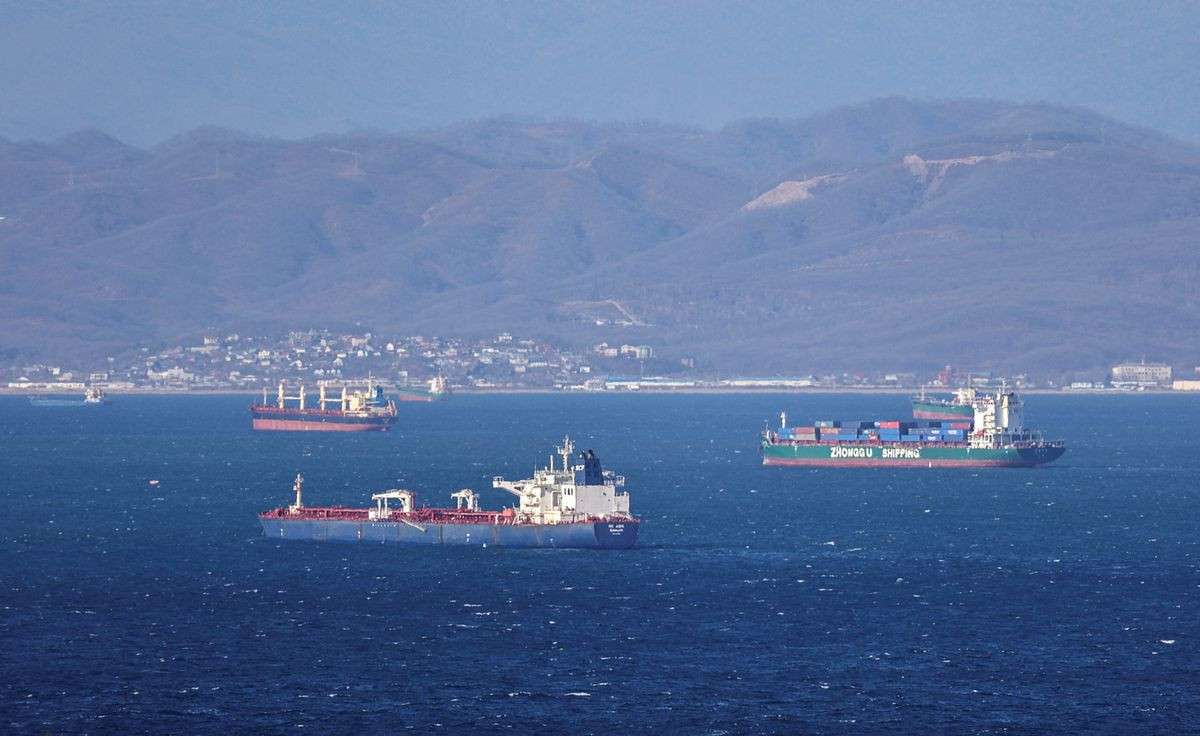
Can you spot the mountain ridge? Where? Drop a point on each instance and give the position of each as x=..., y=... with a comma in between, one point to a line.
x=1011, y=237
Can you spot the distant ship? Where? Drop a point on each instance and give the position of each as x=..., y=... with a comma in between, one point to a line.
x=351, y=411
x=436, y=391
x=91, y=397
x=993, y=437
x=959, y=407
x=577, y=505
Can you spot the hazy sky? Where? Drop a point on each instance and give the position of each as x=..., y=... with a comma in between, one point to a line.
x=146, y=71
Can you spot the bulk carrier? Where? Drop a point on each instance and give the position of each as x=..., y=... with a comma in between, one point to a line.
x=573, y=506
x=992, y=437
x=350, y=411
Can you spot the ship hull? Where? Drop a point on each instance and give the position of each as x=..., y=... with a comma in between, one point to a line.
x=297, y=420
x=907, y=456
x=581, y=535
x=300, y=425
x=409, y=394
x=944, y=412
x=67, y=403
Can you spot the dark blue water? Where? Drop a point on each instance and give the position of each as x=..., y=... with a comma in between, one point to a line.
x=759, y=600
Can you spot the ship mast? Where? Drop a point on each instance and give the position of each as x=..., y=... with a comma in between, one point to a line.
x=566, y=449
x=299, y=503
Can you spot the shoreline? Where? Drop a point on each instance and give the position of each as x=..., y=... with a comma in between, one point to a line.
x=740, y=391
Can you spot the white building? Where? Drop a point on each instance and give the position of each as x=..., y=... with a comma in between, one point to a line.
x=1141, y=375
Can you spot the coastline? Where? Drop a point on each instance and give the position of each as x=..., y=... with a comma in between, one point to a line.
x=696, y=390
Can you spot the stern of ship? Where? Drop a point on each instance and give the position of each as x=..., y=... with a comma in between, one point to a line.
x=616, y=534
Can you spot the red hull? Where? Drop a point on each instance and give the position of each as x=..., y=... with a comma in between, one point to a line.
x=847, y=462
x=298, y=425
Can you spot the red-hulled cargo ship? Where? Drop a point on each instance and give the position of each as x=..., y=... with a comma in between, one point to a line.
x=350, y=411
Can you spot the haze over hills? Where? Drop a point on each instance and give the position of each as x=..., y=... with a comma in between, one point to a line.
x=890, y=235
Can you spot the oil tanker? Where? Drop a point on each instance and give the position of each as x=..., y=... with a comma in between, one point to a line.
x=350, y=411
x=992, y=437
x=576, y=505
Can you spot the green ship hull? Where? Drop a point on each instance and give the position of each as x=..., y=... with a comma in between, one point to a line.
x=907, y=455
x=406, y=393
x=939, y=409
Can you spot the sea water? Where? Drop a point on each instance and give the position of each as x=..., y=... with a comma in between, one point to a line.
x=137, y=594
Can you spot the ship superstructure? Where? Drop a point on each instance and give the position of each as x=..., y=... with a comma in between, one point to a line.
x=577, y=505
x=995, y=436
x=569, y=493
x=332, y=410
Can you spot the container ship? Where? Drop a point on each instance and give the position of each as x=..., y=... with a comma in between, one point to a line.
x=960, y=407
x=349, y=411
x=992, y=437
x=91, y=397
x=576, y=505
x=437, y=390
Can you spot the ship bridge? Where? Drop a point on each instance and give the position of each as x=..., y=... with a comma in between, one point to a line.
x=571, y=492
